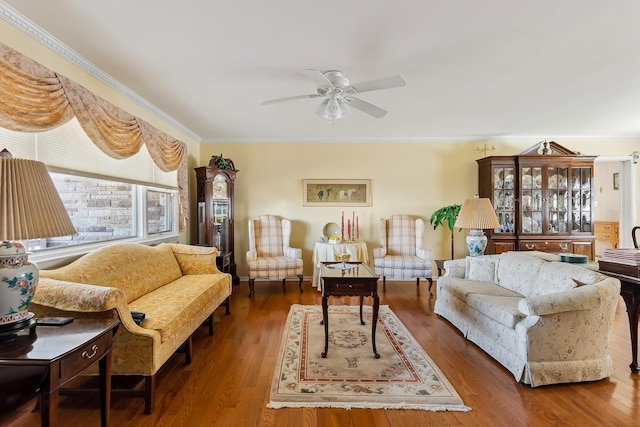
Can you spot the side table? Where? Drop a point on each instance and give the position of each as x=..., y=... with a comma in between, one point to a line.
x=52, y=356
x=223, y=262
x=440, y=266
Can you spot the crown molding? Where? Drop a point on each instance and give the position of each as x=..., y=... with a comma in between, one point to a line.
x=28, y=27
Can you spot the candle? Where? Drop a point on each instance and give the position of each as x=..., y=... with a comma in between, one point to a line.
x=349, y=228
x=342, y=227
x=357, y=229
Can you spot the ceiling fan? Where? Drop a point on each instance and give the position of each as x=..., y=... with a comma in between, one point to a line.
x=340, y=95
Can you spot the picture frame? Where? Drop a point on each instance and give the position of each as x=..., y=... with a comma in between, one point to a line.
x=336, y=192
x=616, y=181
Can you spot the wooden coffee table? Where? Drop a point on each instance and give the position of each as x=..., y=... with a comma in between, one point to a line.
x=359, y=281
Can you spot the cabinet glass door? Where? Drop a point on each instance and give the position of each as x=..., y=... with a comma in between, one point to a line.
x=557, y=211
x=221, y=225
x=504, y=198
x=581, y=199
x=531, y=200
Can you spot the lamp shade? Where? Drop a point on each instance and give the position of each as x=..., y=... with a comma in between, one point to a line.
x=30, y=207
x=477, y=214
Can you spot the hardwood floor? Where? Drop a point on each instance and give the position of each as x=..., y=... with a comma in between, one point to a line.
x=228, y=382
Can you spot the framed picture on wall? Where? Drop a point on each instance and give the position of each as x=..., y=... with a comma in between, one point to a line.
x=336, y=192
x=616, y=181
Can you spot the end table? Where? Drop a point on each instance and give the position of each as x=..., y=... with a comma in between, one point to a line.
x=52, y=356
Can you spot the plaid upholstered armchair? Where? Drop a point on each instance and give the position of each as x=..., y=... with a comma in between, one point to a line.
x=269, y=255
x=400, y=254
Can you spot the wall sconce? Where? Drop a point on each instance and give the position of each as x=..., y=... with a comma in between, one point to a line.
x=485, y=148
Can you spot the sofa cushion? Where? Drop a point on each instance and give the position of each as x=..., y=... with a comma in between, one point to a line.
x=519, y=272
x=502, y=309
x=462, y=288
x=195, y=259
x=482, y=268
x=172, y=308
x=402, y=262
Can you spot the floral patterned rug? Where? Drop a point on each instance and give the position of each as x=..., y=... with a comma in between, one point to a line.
x=404, y=377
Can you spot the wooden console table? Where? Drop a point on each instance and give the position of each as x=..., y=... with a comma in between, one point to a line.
x=52, y=356
x=360, y=281
x=629, y=277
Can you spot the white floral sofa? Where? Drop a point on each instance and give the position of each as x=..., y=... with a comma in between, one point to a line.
x=176, y=286
x=546, y=322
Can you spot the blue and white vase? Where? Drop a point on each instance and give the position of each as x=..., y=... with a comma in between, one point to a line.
x=18, y=281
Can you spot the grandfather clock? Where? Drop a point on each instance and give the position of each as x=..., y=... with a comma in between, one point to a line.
x=215, y=210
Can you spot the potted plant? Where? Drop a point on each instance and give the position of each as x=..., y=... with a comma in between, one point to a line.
x=446, y=216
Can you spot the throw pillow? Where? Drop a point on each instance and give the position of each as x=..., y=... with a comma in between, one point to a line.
x=197, y=263
x=481, y=269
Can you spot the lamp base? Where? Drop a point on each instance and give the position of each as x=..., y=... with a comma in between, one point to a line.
x=476, y=242
x=9, y=332
x=18, y=282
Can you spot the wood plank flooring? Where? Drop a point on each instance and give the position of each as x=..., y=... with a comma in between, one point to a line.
x=228, y=382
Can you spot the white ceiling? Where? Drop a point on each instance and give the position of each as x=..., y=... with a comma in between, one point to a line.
x=487, y=69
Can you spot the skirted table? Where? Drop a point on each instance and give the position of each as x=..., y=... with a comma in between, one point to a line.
x=329, y=252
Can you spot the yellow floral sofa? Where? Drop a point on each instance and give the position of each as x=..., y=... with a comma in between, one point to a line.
x=177, y=286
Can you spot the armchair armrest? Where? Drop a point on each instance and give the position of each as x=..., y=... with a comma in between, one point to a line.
x=424, y=254
x=294, y=253
x=252, y=255
x=379, y=252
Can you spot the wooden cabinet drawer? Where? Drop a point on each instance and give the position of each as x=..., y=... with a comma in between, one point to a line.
x=546, y=246
x=349, y=286
x=84, y=357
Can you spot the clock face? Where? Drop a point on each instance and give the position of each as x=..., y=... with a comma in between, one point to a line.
x=220, y=188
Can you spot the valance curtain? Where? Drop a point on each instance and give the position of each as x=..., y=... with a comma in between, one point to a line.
x=36, y=99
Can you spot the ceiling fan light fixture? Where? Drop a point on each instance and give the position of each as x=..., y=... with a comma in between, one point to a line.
x=333, y=108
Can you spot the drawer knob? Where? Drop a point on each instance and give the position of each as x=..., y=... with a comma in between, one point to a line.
x=94, y=350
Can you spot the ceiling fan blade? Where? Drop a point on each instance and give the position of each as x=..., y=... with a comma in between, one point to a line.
x=290, y=98
x=385, y=83
x=365, y=107
x=318, y=77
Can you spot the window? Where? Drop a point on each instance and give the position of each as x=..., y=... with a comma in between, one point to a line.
x=103, y=210
x=107, y=199
x=159, y=208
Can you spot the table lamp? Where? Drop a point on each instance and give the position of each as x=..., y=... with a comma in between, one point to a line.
x=477, y=214
x=30, y=208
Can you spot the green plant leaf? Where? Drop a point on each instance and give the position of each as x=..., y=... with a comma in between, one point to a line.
x=446, y=215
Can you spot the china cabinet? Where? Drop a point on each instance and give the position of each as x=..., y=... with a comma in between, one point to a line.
x=543, y=199
x=215, y=210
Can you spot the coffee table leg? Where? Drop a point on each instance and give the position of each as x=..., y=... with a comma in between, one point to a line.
x=361, y=319
x=376, y=307
x=325, y=321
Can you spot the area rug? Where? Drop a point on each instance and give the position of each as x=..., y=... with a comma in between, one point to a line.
x=404, y=377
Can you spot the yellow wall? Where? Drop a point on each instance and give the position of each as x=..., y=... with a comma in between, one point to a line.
x=415, y=178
